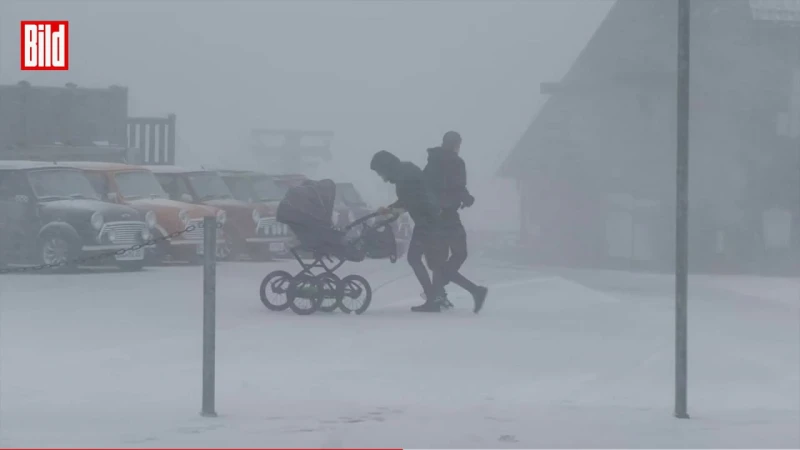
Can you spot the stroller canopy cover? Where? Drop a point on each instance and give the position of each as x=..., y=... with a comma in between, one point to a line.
x=309, y=204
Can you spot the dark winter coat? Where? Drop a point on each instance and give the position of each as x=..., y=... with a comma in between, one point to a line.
x=413, y=194
x=446, y=175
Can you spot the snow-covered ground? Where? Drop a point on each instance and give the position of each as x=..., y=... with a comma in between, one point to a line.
x=556, y=359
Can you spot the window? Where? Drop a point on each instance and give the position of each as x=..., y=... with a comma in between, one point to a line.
x=174, y=186
x=99, y=182
x=137, y=184
x=11, y=185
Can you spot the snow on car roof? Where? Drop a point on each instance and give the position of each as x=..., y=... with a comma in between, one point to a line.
x=25, y=165
x=101, y=166
x=173, y=169
x=224, y=172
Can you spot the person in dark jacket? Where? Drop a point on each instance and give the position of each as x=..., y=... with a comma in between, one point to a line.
x=446, y=175
x=414, y=196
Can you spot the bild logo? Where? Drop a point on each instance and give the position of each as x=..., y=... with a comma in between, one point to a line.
x=44, y=45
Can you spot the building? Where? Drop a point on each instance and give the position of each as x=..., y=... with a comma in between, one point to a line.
x=596, y=168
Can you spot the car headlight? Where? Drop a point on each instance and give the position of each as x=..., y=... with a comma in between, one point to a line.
x=150, y=219
x=112, y=236
x=146, y=234
x=97, y=221
x=221, y=217
x=183, y=216
x=256, y=216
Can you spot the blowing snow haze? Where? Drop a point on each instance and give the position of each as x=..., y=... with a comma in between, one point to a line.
x=381, y=75
x=555, y=316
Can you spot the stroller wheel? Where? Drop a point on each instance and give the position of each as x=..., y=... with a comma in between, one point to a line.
x=274, y=289
x=304, y=294
x=332, y=292
x=356, y=294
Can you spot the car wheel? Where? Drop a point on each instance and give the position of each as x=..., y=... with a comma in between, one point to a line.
x=224, y=251
x=232, y=249
x=260, y=254
x=55, y=248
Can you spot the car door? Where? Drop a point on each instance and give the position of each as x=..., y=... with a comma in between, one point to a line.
x=18, y=222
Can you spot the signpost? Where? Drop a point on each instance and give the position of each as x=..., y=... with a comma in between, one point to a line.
x=682, y=213
x=209, y=315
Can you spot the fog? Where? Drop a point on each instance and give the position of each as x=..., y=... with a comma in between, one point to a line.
x=380, y=75
x=563, y=328
x=598, y=166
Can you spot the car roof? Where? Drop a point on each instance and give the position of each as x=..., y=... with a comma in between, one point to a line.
x=25, y=165
x=101, y=166
x=233, y=172
x=173, y=169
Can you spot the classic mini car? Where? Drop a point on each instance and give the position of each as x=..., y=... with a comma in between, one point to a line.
x=50, y=214
x=205, y=187
x=287, y=180
x=348, y=205
x=263, y=194
x=137, y=187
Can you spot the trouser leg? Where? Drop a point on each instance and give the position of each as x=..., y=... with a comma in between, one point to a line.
x=436, y=253
x=416, y=248
x=456, y=242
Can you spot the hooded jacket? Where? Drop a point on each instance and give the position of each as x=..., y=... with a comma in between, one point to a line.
x=446, y=175
x=413, y=194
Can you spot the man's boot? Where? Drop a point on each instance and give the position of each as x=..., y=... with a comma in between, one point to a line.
x=444, y=302
x=431, y=305
x=480, y=298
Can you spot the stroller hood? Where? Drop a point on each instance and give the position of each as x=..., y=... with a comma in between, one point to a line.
x=308, y=204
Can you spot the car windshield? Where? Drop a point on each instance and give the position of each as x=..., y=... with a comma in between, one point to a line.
x=348, y=194
x=209, y=186
x=240, y=188
x=267, y=190
x=61, y=184
x=139, y=184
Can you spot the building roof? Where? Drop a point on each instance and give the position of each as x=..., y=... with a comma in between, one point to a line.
x=639, y=36
x=27, y=165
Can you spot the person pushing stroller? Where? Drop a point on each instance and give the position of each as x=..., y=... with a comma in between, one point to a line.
x=414, y=196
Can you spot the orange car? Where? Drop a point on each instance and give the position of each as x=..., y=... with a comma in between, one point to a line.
x=138, y=187
x=261, y=192
x=205, y=187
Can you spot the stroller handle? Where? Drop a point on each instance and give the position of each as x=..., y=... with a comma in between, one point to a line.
x=364, y=219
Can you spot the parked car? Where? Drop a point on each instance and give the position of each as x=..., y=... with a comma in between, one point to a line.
x=287, y=180
x=137, y=187
x=50, y=214
x=263, y=194
x=205, y=187
x=348, y=205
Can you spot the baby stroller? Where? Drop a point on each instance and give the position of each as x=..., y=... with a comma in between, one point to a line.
x=308, y=211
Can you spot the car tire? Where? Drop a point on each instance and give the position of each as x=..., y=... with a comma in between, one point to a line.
x=55, y=246
x=130, y=266
x=232, y=249
x=261, y=254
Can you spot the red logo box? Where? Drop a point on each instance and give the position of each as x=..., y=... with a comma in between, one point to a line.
x=44, y=45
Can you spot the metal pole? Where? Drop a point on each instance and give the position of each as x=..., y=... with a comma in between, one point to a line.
x=209, y=313
x=682, y=212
